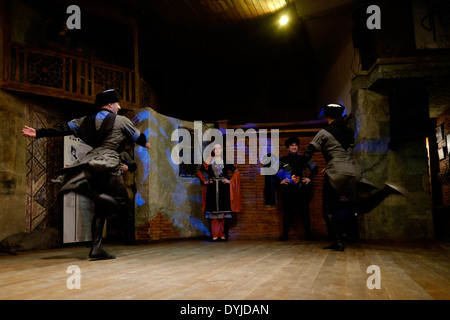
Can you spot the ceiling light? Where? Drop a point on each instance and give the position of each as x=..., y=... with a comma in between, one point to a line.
x=283, y=20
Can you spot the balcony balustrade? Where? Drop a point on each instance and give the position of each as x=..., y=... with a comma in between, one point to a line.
x=61, y=75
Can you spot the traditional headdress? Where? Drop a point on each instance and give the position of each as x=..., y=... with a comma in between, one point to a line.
x=107, y=97
x=291, y=140
x=333, y=110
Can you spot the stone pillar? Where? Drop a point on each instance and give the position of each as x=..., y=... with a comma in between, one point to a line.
x=397, y=217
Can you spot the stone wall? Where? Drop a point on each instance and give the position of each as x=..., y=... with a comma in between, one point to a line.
x=13, y=186
x=29, y=198
x=167, y=205
x=397, y=217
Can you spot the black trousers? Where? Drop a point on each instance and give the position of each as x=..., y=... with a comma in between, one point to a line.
x=113, y=186
x=295, y=204
x=330, y=204
x=363, y=203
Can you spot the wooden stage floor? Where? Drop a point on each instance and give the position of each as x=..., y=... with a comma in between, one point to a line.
x=233, y=270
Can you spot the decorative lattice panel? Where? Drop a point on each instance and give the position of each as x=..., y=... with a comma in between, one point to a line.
x=44, y=158
x=45, y=70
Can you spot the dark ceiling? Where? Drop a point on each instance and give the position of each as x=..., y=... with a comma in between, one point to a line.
x=230, y=59
x=210, y=60
x=230, y=63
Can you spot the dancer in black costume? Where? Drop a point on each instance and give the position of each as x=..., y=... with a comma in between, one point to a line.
x=97, y=175
x=343, y=176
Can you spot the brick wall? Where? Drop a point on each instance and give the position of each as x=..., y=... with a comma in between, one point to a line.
x=444, y=165
x=258, y=220
x=441, y=210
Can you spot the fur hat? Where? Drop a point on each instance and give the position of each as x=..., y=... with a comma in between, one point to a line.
x=107, y=97
x=333, y=110
x=291, y=140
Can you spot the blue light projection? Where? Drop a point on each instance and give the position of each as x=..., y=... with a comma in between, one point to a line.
x=379, y=145
x=141, y=154
x=169, y=158
x=146, y=115
x=143, y=115
x=138, y=199
x=179, y=219
x=375, y=145
x=198, y=225
x=163, y=132
x=181, y=207
x=179, y=195
x=175, y=122
x=284, y=174
x=151, y=133
x=196, y=199
x=153, y=119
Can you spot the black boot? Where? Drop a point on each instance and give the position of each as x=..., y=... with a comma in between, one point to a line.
x=337, y=246
x=129, y=233
x=283, y=238
x=335, y=232
x=97, y=251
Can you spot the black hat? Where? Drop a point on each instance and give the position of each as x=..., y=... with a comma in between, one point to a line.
x=333, y=110
x=291, y=140
x=107, y=97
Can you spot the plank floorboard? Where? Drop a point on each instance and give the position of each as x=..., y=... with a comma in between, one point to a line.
x=233, y=270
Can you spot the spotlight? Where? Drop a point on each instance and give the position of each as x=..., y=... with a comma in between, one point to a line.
x=283, y=20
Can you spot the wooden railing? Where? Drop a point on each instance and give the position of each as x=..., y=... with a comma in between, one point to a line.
x=66, y=76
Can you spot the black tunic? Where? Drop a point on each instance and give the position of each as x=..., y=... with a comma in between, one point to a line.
x=218, y=203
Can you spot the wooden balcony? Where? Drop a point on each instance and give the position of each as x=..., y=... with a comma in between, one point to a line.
x=44, y=72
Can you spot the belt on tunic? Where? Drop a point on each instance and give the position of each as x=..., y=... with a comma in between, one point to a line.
x=217, y=180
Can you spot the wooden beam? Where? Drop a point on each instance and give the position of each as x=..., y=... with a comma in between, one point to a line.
x=2, y=38
x=240, y=10
x=5, y=40
x=137, y=76
x=46, y=91
x=277, y=125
